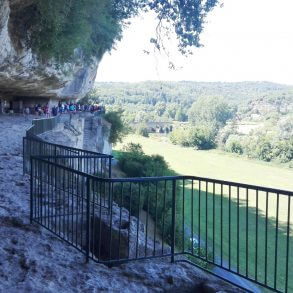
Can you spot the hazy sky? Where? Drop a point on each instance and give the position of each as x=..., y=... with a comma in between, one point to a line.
x=244, y=40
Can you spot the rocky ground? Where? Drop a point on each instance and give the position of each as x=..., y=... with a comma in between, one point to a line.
x=34, y=260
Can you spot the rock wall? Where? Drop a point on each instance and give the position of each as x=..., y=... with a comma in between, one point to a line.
x=22, y=74
x=84, y=131
x=96, y=128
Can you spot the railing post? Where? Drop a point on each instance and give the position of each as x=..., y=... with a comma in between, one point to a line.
x=55, y=154
x=40, y=194
x=110, y=167
x=109, y=192
x=173, y=220
x=40, y=149
x=31, y=190
x=23, y=156
x=87, y=219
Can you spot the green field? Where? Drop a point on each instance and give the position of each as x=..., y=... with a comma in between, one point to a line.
x=216, y=164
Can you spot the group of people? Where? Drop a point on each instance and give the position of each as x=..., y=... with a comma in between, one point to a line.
x=75, y=107
x=40, y=110
x=62, y=108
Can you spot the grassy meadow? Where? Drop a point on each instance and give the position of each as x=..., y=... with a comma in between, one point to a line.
x=221, y=224
x=215, y=164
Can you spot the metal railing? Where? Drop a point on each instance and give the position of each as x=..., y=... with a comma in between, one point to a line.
x=227, y=228
x=42, y=125
x=77, y=159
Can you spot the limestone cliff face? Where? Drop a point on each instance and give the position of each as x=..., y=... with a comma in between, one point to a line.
x=21, y=72
x=82, y=131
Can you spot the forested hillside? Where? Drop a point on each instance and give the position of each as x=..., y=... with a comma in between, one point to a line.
x=163, y=100
x=250, y=118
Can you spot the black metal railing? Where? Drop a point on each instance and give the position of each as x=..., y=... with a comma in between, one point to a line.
x=78, y=159
x=231, y=229
x=42, y=125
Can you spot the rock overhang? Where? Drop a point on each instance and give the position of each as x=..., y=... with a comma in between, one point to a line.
x=22, y=74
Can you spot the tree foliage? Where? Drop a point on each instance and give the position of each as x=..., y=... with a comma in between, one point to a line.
x=210, y=110
x=139, y=100
x=118, y=128
x=93, y=26
x=142, y=130
x=135, y=163
x=69, y=29
x=262, y=146
x=201, y=137
x=185, y=16
x=154, y=198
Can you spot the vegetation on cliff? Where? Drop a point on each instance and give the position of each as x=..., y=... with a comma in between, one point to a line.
x=118, y=128
x=93, y=26
x=135, y=163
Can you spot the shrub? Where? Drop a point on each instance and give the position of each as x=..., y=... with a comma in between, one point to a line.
x=118, y=129
x=233, y=145
x=133, y=148
x=143, y=130
x=224, y=134
x=135, y=163
x=180, y=136
x=200, y=137
x=264, y=149
x=283, y=151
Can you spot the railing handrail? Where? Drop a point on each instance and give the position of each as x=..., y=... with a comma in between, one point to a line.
x=32, y=130
x=37, y=129
x=44, y=118
x=67, y=147
x=75, y=157
x=171, y=178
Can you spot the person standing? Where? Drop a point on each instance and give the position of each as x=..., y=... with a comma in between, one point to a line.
x=26, y=113
x=46, y=110
x=54, y=111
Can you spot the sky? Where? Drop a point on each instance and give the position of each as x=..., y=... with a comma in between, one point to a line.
x=245, y=40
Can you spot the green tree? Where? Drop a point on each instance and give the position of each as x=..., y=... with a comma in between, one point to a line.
x=264, y=149
x=118, y=128
x=142, y=130
x=202, y=137
x=210, y=110
x=180, y=115
x=92, y=26
x=59, y=27
x=160, y=108
x=233, y=145
x=180, y=136
x=284, y=150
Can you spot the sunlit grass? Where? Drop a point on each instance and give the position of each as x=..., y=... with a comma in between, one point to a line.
x=219, y=165
x=215, y=164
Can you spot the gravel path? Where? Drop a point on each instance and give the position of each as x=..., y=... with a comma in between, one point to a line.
x=34, y=260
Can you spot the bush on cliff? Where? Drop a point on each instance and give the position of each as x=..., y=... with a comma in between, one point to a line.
x=118, y=128
x=155, y=197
